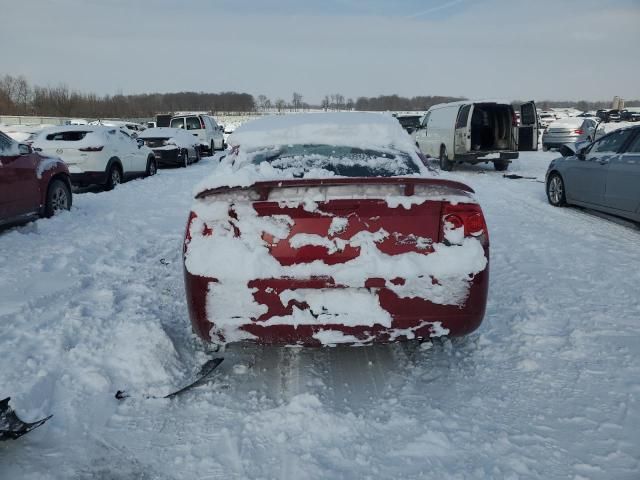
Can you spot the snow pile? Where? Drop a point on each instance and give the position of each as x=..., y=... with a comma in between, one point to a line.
x=175, y=137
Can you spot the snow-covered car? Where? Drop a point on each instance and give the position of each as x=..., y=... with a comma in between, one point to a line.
x=172, y=146
x=31, y=184
x=546, y=118
x=132, y=128
x=569, y=130
x=607, y=127
x=603, y=175
x=204, y=128
x=410, y=122
x=97, y=154
x=328, y=228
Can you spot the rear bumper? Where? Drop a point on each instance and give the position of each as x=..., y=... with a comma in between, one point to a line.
x=168, y=157
x=411, y=318
x=479, y=157
x=88, y=178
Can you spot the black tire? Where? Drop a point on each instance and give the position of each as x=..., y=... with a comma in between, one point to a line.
x=556, y=191
x=58, y=197
x=185, y=154
x=197, y=150
x=445, y=163
x=114, y=177
x=152, y=167
x=500, y=165
x=212, y=149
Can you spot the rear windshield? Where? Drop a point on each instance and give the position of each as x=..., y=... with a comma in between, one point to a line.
x=71, y=136
x=342, y=161
x=408, y=122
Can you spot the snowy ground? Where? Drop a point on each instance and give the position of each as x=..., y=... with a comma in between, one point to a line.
x=549, y=387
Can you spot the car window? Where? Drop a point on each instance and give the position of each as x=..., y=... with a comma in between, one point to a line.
x=6, y=143
x=193, y=123
x=611, y=142
x=214, y=125
x=177, y=123
x=463, y=116
x=635, y=145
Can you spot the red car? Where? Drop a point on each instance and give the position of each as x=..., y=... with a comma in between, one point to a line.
x=31, y=185
x=324, y=229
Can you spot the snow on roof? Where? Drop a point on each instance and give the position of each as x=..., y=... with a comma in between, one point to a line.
x=353, y=129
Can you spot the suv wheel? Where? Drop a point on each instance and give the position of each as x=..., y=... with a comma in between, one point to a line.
x=58, y=198
x=114, y=177
x=152, y=168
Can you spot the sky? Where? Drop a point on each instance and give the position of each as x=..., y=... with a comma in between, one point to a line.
x=511, y=49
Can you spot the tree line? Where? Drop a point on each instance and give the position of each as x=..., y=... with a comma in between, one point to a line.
x=19, y=97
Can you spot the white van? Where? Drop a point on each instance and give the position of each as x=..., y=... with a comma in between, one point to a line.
x=204, y=127
x=474, y=132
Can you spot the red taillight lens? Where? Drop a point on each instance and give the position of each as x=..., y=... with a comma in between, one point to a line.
x=464, y=215
x=91, y=149
x=579, y=131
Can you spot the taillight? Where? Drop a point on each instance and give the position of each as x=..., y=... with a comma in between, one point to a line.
x=202, y=124
x=579, y=131
x=91, y=149
x=463, y=215
x=514, y=119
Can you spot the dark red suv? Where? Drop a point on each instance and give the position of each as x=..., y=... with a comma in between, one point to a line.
x=31, y=185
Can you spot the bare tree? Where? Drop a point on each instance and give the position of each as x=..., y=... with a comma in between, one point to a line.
x=280, y=104
x=297, y=101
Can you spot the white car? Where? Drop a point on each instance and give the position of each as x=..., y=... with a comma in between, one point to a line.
x=204, y=127
x=97, y=154
x=171, y=146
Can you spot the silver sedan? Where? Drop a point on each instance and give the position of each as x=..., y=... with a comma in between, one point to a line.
x=603, y=175
x=569, y=130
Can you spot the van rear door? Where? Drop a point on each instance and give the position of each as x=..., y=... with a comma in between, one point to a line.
x=462, y=137
x=528, y=130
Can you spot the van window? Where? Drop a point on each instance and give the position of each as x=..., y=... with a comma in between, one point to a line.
x=193, y=123
x=463, y=116
x=528, y=114
x=177, y=123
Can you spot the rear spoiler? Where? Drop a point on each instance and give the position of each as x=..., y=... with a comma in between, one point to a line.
x=264, y=188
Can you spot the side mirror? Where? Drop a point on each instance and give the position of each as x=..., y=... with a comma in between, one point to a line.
x=221, y=128
x=140, y=142
x=24, y=149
